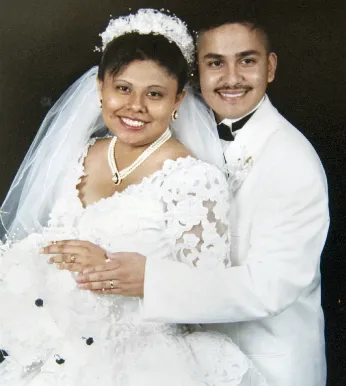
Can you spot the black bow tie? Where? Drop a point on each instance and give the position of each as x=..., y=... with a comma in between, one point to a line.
x=225, y=131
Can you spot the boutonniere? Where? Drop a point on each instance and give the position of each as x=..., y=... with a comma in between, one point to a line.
x=239, y=170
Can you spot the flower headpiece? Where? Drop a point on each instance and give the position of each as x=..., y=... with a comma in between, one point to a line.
x=147, y=21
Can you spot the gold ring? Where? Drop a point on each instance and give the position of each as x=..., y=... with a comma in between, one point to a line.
x=73, y=258
x=106, y=259
x=111, y=283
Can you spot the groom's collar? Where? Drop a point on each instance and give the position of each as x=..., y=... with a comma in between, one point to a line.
x=255, y=133
x=230, y=121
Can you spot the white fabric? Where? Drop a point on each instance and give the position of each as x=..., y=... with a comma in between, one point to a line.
x=63, y=134
x=229, y=121
x=268, y=302
x=151, y=21
x=196, y=129
x=70, y=123
x=179, y=211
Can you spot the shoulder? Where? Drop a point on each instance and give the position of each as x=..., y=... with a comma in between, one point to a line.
x=288, y=149
x=188, y=176
x=176, y=155
x=287, y=160
x=95, y=152
x=288, y=142
x=291, y=163
x=286, y=136
x=96, y=146
x=171, y=150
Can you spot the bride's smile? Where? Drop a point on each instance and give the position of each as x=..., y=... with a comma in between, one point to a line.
x=138, y=102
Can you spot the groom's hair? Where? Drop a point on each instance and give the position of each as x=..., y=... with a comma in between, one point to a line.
x=219, y=19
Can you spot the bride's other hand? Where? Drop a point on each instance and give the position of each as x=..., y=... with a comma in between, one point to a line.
x=123, y=275
x=74, y=255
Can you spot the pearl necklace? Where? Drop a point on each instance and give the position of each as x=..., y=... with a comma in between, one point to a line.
x=119, y=176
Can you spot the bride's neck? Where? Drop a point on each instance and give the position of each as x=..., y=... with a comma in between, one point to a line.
x=124, y=148
x=125, y=154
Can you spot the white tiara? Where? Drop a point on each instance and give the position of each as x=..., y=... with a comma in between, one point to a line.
x=147, y=21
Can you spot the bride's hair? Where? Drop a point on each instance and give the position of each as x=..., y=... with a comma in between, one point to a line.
x=127, y=48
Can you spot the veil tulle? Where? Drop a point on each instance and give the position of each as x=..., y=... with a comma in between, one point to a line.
x=62, y=135
x=61, y=139
x=196, y=129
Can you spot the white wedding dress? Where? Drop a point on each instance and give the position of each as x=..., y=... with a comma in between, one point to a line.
x=56, y=334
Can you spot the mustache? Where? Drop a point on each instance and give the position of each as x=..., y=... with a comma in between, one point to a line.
x=236, y=87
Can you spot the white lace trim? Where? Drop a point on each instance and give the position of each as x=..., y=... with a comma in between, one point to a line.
x=195, y=198
x=191, y=199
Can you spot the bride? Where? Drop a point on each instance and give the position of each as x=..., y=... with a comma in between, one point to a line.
x=132, y=186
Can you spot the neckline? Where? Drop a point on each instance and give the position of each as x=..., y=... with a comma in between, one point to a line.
x=119, y=175
x=231, y=121
x=167, y=165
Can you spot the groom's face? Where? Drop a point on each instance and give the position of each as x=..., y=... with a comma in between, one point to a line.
x=235, y=69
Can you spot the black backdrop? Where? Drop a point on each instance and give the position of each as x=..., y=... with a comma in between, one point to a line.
x=45, y=45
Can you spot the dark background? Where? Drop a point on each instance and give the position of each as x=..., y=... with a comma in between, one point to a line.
x=46, y=45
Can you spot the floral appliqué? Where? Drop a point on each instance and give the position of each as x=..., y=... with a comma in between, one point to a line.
x=238, y=171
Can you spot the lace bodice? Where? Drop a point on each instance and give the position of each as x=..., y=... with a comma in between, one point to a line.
x=76, y=337
x=177, y=212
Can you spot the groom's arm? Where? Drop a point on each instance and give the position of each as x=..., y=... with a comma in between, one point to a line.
x=287, y=237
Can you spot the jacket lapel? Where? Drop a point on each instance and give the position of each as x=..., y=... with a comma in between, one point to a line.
x=253, y=137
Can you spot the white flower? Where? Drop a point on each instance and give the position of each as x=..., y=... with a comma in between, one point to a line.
x=190, y=240
x=239, y=170
x=147, y=21
x=191, y=212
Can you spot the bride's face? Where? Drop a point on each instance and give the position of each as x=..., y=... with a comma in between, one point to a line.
x=137, y=103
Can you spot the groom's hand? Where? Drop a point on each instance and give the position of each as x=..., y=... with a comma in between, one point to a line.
x=123, y=275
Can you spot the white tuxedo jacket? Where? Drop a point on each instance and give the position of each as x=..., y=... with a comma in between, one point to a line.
x=269, y=301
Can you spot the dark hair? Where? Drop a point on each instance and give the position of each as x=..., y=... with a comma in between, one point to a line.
x=127, y=48
x=237, y=18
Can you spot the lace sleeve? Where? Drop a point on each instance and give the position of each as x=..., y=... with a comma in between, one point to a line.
x=196, y=202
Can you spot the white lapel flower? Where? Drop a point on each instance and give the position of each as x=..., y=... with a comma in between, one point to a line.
x=238, y=170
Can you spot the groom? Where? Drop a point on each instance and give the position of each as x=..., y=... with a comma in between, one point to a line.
x=268, y=302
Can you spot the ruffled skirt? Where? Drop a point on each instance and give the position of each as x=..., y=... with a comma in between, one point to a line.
x=57, y=335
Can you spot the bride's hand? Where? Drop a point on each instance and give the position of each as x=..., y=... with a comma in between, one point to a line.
x=74, y=255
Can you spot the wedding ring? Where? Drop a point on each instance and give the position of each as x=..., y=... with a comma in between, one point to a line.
x=106, y=259
x=103, y=289
x=111, y=283
x=73, y=258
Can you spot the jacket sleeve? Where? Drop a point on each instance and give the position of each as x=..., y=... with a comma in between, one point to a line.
x=287, y=237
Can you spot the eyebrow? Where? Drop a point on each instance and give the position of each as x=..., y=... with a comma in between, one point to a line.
x=150, y=86
x=157, y=85
x=211, y=55
x=247, y=53
x=242, y=54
